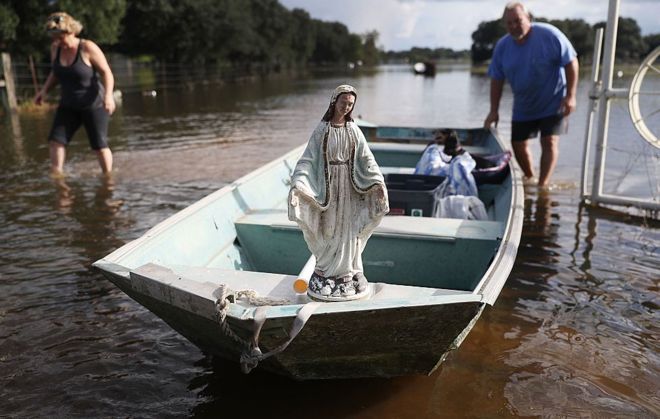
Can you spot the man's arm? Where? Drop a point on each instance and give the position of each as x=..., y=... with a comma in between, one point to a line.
x=496, y=87
x=569, y=101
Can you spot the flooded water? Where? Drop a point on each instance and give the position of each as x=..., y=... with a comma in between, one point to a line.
x=574, y=332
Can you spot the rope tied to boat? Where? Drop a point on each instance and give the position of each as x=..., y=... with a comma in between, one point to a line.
x=252, y=354
x=251, y=297
x=222, y=295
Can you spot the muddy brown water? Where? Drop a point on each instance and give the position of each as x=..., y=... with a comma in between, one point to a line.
x=574, y=332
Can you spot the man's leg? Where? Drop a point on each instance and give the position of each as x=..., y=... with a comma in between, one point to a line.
x=57, y=155
x=549, y=154
x=104, y=156
x=523, y=157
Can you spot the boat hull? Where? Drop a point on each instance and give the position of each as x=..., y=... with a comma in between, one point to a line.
x=432, y=277
x=375, y=343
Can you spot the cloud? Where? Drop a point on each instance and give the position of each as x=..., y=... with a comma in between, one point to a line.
x=502, y=3
x=410, y=15
x=403, y=24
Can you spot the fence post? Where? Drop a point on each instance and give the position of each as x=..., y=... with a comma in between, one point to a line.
x=7, y=81
x=33, y=72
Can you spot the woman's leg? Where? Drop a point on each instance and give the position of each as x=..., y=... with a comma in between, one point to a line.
x=57, y=156
x=96, y=124
x=104, y=156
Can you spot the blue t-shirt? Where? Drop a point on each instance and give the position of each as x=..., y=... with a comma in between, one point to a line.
x=534, y=69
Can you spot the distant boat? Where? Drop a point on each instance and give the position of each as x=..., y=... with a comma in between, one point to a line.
x=426, y=68
x=221, y=272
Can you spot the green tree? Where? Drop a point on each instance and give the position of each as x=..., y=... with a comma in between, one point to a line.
x=101, y=21
x=240, y=34
x=31, y=15
x=234, y=31
x=332, y=43
x=144, y=25
x=274, y=23
x=370, y=52
x=630, y=45
x=485, y=38
x=186, y=30
x=579, y=32
x=354, y=49
x=237, y=31
x=304, y=41
x=652, y=42
x=8, y=24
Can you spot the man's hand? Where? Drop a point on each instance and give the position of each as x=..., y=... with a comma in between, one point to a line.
x=492, y=118
x=567, y=106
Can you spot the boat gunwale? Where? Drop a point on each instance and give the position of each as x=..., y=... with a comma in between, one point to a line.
x=500, y=268
x=204, y=290
x=175, y=218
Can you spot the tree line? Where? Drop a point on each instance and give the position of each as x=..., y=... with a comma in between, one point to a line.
x=256, y=31
x=194, y=31
x=631, y=45
x=418, y=54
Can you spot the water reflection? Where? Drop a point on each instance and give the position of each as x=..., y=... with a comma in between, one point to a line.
x=575, y=326
x=94, y=210
x=225, y=389
x=64, y=197
x=564, y=364
x=17, y=131
x=540, y=222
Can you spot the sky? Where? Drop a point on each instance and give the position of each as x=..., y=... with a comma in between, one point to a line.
x=403, y=24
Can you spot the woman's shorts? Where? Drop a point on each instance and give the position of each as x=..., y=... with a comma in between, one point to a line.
x=550, y=125
x=68, y=120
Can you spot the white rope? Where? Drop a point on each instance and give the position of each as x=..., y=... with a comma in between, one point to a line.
x=251, y=297
x=251, y=354
x=251, y=358
x=221, y=306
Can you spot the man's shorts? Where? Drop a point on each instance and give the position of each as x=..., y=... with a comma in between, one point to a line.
x=550, y=125
x=68, y=120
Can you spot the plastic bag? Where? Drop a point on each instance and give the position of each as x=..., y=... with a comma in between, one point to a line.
x=459, y=206
x=457, y=195
x=459, y=179
x=432, y=162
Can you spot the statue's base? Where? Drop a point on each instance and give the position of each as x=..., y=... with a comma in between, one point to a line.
x=326, y=298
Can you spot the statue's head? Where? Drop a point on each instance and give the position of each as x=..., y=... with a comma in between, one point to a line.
x=344, y=89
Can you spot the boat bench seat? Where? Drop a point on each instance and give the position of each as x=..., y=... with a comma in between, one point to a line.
x=461, y=247
x=407, y=155
x=419, y=148
x=428, y=228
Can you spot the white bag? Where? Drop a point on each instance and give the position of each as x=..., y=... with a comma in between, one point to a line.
x=460, y=206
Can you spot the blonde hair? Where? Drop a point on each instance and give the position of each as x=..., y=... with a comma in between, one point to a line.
x=61, y=22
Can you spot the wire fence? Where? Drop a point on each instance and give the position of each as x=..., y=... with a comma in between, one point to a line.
x=136, y=76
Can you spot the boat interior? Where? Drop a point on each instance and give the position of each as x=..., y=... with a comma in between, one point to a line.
x=244, y=228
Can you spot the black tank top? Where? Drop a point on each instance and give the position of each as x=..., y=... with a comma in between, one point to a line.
x=80, y=85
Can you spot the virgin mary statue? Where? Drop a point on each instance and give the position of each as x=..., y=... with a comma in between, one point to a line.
x=337, y=197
